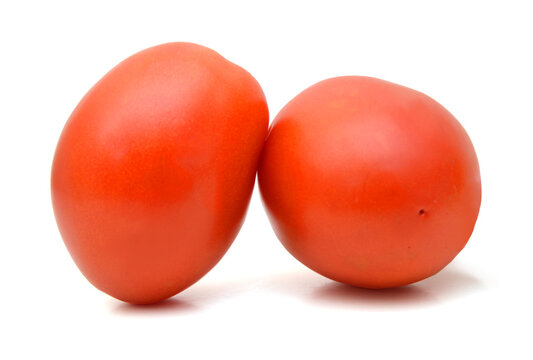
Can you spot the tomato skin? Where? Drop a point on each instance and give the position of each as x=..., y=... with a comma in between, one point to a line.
x=369, y=183
x=154, y=170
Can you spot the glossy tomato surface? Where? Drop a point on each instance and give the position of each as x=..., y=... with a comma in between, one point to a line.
x=370, y=183
x=154, y=170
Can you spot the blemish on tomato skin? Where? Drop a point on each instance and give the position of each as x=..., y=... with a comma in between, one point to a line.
x=422, y=212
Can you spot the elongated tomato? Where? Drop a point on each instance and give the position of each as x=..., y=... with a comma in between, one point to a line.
x=370, y=183
x=154, y=170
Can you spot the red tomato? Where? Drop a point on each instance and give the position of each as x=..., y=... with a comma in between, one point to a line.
x=154, y=170
x=370, y=183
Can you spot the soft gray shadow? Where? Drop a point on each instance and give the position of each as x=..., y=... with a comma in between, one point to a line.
x=341, y=294
x=451, y=283
x=170, y=306
x=346, y=295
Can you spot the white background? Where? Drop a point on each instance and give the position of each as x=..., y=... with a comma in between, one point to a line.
x=473, y=57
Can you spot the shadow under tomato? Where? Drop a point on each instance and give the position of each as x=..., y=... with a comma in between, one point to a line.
x=450, y=283
x=341, y=294
x=166, y=307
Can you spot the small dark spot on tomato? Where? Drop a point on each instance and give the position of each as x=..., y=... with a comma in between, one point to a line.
x=422, y=212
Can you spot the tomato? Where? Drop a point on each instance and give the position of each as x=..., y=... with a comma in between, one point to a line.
x=369, y=183
x=154, y=170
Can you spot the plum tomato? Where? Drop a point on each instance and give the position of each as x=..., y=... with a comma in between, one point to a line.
x=154, y=170
x=369, y=183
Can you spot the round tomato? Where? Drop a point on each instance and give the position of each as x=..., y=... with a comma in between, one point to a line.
x=154, y=170
x=370, y=183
